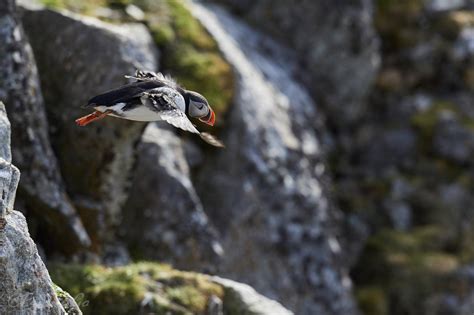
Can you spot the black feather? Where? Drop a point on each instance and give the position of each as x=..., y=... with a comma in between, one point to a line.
x=125, y=94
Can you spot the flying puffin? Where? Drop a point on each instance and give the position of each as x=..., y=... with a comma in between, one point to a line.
x=153, y=97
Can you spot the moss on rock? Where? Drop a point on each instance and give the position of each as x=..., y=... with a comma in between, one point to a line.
x=67, y=301
x=372, y=300
x=404, y=268
x=189, y=52
x=140, y=288
x=191, y=55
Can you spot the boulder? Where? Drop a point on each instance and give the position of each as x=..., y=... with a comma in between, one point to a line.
x=41, y=192
x=9, y=174
x=240, y=298
x=163, y=218
x=266, y=192
x=152, y=288
x=84, y=57
x=26, y=285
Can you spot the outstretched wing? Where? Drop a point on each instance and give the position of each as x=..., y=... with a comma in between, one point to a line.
x=178, y=119
x=207, y=137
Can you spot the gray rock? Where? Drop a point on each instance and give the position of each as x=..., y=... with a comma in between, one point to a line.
x=26, y=285
x=265, y=192
x=452, y=140
x=335, y=43
x=67, y=301
x=41, y=188
x=244, y=300
x=386, y=148
x=9, y=174
x=163, y=217
x=85, y=57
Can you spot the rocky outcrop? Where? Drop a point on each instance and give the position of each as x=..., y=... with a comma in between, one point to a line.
x=9, y=174
x=335, y=44
x=84, y=57
x=26, y=285
x=152, y=288
x=42, y=192
x=240, y=298
x=164, y=205
x=266, y=192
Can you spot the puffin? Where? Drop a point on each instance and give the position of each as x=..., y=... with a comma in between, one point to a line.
x=153, y=97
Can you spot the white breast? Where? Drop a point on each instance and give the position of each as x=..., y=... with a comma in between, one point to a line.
x=139, y=113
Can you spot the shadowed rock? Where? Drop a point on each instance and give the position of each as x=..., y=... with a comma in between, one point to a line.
x=84, y=57
x=26, y=287
x=164, y=218
x=266, y=192
x=41, y=189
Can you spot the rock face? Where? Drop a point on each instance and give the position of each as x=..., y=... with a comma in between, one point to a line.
x=85, y=57
x=41, y=189
x=9, y=174
x=26, y=285
x=240, y=298
x=164, y=205
x=335, y=43
x=153, y=288
x=266, y=193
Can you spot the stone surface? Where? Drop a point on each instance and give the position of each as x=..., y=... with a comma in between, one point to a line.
x=240, y=298
x=85, y=57
x=335, y=43
x=26, y=286
x=67, y=301
x=42, y=190
x=265, y=191
x=163, y=217
x=9, y=174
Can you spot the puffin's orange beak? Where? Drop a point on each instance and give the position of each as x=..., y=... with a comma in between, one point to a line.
x=209, y=119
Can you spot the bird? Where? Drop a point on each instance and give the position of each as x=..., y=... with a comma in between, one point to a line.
x=153, y=97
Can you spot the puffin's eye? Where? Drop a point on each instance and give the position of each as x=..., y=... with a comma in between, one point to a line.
x=200, y=106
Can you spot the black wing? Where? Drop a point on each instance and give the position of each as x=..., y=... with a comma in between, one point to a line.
x=125, y=94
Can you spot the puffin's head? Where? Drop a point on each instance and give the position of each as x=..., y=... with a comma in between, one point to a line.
x=198, y=107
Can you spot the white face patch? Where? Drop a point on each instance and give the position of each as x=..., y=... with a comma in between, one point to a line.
x=197, y=110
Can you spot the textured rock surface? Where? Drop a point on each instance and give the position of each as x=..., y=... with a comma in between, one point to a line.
x=335, y=44
x=416, y=185
x=9, y=174
x=163, y=217
x=41, y=189
x=153, y=288
x=240, y=298
x=84, y=57
x=265, y=192
x=26, y=286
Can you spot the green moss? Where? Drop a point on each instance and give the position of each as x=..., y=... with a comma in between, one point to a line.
x=396, y=22
x=191, y=55
x=125, y=290
x=81, y=6
x=188, y=51
x=426, y=120
x=406, y=266
x=372, y=300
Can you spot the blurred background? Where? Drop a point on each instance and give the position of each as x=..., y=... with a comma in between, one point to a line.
x=346, y=185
